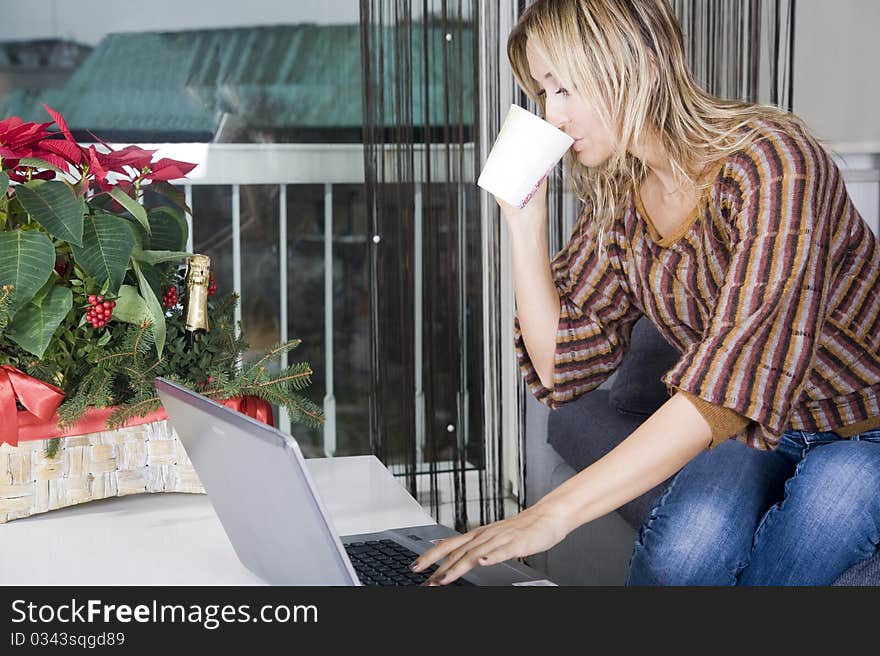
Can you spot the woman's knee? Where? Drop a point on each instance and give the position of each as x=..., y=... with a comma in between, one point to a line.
x=701, y=528
x=837, y=479
x=700, y=542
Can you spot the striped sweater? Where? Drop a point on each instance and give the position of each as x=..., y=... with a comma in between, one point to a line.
x=769, y=290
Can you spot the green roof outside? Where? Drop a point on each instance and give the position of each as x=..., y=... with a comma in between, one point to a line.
x=300, y=76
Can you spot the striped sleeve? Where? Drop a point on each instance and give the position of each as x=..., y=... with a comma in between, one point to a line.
x=595, y=322
x=757, y=351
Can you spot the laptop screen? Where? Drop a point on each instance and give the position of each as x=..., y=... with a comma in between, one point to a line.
x=256, y=479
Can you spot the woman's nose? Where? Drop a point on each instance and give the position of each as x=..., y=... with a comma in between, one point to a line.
x=555, y=117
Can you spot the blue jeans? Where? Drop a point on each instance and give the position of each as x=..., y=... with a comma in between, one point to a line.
x=800, y=515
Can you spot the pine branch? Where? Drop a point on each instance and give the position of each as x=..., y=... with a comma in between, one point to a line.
x=274, y=352
x=123, y=374
x=135, y=408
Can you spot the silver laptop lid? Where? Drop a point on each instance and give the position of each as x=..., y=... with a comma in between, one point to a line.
x=260, y=487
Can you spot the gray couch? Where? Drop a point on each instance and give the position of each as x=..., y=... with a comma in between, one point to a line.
x=564, y=441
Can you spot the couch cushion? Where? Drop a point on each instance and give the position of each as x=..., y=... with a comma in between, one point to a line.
x=637, y=387
x=866, y=572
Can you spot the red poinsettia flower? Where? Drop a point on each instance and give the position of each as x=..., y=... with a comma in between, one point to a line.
x=69, y=153
x=20, y=140
x=17, y=138
x=96, y=168
x=168, y=169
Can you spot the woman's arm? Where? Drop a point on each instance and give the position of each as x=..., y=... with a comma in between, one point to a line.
x=659, y=447
x=537, y=302
x=663, y=444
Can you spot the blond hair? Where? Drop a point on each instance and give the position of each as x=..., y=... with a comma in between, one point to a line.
x=626, y=59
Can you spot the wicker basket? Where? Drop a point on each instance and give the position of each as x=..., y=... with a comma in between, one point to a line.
x=112, y=463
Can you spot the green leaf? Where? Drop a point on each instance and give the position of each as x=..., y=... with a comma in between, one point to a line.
x=151, y=275
x=105, y=338
x=26, y=262
x=134, y=208
x=55, y=207
x=37, y=163
x=107, y=246
x=157, y=257
x=157, y=314
x=4, y=183
x=46, y=288
x=32, y=329
x=130, y=306
x=170, y=229
x=172, y=193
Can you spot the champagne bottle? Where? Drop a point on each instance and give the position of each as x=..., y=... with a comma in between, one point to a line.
x=198, y=273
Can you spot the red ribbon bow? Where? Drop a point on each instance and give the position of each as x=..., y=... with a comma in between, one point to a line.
x=39, y=399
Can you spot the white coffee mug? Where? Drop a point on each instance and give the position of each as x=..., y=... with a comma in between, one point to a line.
x=525, y=151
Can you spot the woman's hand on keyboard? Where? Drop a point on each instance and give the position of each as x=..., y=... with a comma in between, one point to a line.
x=534, y=530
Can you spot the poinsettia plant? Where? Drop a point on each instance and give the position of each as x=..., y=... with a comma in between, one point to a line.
x=89, y=279
x=77, y=216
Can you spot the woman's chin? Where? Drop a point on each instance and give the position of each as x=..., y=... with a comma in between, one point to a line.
x=584, y=158
x=590, y=159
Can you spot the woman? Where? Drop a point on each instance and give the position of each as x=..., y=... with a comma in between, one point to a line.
x=729, y=226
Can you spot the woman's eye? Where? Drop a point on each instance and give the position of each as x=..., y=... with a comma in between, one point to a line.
x=559, y=92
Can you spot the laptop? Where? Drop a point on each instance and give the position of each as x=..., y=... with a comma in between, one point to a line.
x=261, y=489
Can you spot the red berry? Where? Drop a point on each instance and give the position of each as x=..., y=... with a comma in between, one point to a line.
x=93, y=299
x=99, y=299
x=169, y=298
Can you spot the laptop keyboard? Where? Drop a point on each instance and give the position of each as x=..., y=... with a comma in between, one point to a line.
x=385, y=562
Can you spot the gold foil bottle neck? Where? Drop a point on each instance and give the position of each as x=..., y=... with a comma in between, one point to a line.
x=198, y=274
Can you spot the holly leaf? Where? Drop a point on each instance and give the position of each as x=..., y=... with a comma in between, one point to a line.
x=107, y=246
x=105, y=338
x=4, y=183
x=32, y=328
x=55, y=207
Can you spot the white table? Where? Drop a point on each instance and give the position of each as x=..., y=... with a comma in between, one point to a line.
x=177, y=539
